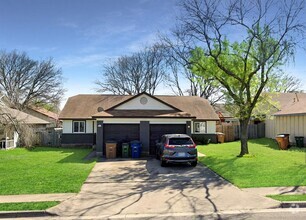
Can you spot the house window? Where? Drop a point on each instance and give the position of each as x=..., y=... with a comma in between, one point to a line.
x=79, y=127
x=200, y=127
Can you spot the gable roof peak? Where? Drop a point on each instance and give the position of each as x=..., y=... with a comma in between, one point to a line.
x=147, y=94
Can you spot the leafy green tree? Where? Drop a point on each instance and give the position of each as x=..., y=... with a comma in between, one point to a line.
x=265, y=34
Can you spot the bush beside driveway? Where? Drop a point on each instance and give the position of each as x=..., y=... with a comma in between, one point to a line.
x=266, y=166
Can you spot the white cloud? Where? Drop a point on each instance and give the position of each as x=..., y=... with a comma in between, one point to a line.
x=68, y=24
x=140, y=43
x=107, y=30
x=92, y=59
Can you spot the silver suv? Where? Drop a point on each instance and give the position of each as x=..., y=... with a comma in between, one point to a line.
x=176, y=148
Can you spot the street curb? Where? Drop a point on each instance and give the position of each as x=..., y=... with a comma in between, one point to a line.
x=292, y=204
x=21, y=214
x=24, y=214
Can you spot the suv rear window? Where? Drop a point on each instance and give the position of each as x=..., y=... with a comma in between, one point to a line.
x=180, y=141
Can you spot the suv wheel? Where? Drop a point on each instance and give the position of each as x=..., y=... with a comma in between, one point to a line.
x=157, y=155
x=194, y=163
x=162, y=163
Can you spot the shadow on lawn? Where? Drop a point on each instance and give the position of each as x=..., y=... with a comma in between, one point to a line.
x=265, y=142
x=271, y=143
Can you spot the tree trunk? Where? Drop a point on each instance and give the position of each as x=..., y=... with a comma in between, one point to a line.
x=244, y=137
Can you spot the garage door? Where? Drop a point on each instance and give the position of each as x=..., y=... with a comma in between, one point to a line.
x=120, y=133
x=157, y=130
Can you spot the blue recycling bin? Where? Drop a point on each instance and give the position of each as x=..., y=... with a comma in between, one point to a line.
x=136, y=149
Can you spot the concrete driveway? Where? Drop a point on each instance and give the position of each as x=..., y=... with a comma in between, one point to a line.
x=142, y=187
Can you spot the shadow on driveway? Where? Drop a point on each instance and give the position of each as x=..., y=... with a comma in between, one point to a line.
x=143, y=187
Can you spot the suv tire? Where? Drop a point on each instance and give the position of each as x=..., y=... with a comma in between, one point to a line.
x=157, y=155
x=162, y=163
x=194, y=163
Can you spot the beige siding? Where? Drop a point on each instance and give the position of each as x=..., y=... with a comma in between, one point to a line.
x=211, y=127
x=295, y=125
x=67, y=126
x=149, y=105
x=270, y=127
x=89, y=126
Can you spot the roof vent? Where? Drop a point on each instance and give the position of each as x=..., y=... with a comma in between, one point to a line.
x=143, y=100
x=100, y=109
x=297, y=98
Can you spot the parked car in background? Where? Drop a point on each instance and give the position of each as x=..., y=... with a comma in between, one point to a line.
x=176, y=148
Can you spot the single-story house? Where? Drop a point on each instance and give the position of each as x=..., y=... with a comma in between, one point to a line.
x=224, y=115
x=288, y=116
x=96, y=119
x=9, y=137
x=45, y=115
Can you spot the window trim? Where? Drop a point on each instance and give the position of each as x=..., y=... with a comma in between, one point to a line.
x=199, y=132
x=79, y=132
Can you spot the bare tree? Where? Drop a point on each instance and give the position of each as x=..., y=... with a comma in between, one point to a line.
x=280, y=82
x=25, y=82
x=142, y=71
x=9, y=123
x=241, y=43
x=205, y=87
x=178, y=49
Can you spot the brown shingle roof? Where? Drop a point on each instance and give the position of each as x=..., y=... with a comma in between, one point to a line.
x=290, y=103
x=86, y=107
x=220, y=108
x=196, y=106
x=46, y=112
x=23, y=117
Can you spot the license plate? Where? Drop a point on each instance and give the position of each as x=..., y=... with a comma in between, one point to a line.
x=181, y=154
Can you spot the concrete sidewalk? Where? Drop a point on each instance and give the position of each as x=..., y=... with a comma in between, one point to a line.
x=290, y=190
x=36, y=197
x=262, y=191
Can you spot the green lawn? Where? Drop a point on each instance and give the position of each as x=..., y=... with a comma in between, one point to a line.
x=266, y=166
x=25, y=206
x=43, y=170
x=288, y=198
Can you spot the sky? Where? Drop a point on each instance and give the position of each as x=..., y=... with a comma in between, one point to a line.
x=80, y=35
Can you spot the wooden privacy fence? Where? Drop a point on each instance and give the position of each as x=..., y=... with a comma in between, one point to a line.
x=49, y=137
x=232, y=132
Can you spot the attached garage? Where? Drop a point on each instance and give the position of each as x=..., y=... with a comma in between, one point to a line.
x=157, y=130
x=143, y=117
x=120, y=133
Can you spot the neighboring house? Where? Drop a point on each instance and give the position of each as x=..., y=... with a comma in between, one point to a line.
x=96, y=119
x=288, y=116
x=224, y=115
x=9, y=137
x=45, y=115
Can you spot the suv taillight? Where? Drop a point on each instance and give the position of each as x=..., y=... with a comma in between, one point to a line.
x=169, y=146
x=192, y=146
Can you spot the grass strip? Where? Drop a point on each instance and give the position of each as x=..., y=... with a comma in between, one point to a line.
x=25, y=206
x=288, y=198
